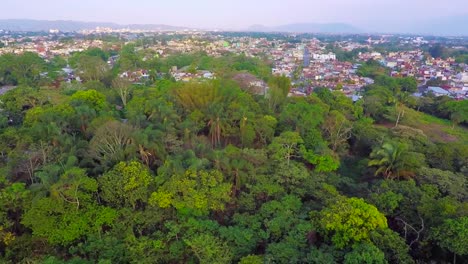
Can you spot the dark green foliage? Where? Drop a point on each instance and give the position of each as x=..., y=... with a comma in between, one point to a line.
x=453, y=235
x=438, y=51
x=24, y=69
x=365, y=253
x=371, y=69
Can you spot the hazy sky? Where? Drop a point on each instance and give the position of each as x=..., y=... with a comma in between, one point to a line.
x=235, y=14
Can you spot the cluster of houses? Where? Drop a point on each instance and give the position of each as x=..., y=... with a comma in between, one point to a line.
x=137, y=76
x=187, y=74
x=45, y=47
x=452, y=76
x=310, y=65
x=336, y=75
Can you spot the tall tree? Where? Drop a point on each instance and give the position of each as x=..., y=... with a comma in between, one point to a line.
x=112, y=142
x=92, y=68
x=69, y=212
x=337, y=130
x=453, y=235
x=27, y=68
x=123, y=88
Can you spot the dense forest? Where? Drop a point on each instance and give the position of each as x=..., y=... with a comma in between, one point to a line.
x=105, y=171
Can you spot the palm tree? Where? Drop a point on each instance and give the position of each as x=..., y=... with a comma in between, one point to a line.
x=233, y=164
x=389, y=160
x=216, y=124
x=215, y=130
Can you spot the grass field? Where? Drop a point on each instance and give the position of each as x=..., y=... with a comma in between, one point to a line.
x=437, y=129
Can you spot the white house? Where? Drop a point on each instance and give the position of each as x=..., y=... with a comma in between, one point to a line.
x=324, y=57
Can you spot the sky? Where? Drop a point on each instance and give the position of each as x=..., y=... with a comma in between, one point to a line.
x=236, y=14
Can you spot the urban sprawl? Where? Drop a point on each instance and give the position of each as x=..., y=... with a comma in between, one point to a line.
x=309, y=61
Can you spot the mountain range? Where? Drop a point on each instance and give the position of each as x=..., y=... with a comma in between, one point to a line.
x=438, y=26
x=70, y=26
x=445, y=26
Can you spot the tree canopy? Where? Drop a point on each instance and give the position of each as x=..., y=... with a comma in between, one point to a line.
x=106, y=169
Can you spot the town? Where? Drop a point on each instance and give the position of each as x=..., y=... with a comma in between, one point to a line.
x=309, y=61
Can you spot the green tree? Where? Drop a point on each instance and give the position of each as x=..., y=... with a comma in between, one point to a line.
x=91, y=98
x=91, y=68
x=27, y=68
x=286, y=147
x=337, y=130
x=456, y=110
x=193, y=191
x=251, y=259
x=13, y=197
x=438, y=51
x=371, y=69
x=126, y=185
x=70, y=211
x=453, y=235
x=17, y=102
x=365, y=253
x=129, y=59
x=448, y=183
x=350, y=221
x=393, y=245
x=279, y=87
x=97, y=52
x=209, y=249
x=265, y=128
x=301, y=115
x=408, y=84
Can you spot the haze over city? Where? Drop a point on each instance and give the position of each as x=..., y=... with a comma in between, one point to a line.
x=367, y=15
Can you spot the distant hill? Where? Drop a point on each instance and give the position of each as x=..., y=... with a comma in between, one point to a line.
x=45, y=25
x=159, y=27
x=308, y=28
x=445, y=26
x=69, y=26
x=436, y=26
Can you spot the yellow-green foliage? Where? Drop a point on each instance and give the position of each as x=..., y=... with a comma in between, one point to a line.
x=351, y=220
x=92, y=98
x=200, y=191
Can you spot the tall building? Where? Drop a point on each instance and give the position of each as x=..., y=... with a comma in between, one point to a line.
x=306, y=57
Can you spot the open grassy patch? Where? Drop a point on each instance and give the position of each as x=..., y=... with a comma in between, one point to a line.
x=437, y=129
